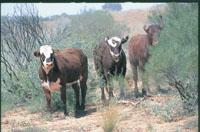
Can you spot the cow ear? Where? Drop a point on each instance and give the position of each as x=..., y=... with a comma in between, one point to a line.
x=146, y=28
x=124, y=39
x=107, y=38
x=56, y=51
x=161, y=26
x=37, y=53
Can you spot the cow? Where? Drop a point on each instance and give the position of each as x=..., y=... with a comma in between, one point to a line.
x=110, y=60
x=138, y=51
x=60, y=69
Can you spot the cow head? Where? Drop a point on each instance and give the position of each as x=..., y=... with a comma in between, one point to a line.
x=152, y=31
x=115, y=46
x=46, y=55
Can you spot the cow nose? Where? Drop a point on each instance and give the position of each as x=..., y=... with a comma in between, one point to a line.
x=116, y=55
x=49, y=64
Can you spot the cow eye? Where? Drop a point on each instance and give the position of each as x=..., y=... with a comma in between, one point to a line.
x=42, y=57
x=113, y=41
x=51, y=56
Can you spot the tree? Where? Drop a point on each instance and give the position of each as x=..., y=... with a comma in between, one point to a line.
x=112, y=6
x=21, y=33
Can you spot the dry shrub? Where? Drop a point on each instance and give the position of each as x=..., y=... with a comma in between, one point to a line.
x=111, y=116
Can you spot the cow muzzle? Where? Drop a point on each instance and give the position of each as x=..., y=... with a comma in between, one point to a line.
x=47, y=67
x=155, y=42
x=115, y=56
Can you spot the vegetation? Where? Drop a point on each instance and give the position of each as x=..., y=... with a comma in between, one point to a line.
x=111, y=116
x=173, y=65
x=174, y=61
x=21, y=84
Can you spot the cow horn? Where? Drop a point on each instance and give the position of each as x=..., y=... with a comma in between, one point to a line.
x=106, y=38
x=146, y=28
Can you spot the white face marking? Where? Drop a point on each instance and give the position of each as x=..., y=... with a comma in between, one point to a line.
x=110, y=41
x=46, y=50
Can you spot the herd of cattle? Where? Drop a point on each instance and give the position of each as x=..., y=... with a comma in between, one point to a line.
x=62, y=68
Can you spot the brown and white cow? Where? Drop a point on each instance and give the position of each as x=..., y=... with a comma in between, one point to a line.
x=138, y=50
x=110, y=60
x=61, y=68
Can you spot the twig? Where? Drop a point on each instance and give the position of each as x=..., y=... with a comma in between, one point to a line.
x=131, y=103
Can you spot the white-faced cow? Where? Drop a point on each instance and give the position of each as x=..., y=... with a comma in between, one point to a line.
x=138, y=50
x=61, y=68
x=110, y=60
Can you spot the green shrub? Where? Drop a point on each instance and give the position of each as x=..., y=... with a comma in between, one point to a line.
x=174, y=60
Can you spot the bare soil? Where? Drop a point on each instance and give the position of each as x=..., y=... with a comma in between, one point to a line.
x=135, y=119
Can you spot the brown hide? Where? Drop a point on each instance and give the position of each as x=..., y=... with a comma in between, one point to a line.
x=69, y=66
x=106, y=66
x=138, y=50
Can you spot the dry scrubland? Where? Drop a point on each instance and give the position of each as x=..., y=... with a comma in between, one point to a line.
x=129, y=119
x=123, y=117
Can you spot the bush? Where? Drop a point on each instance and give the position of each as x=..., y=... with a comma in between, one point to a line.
x=174, y=60
x=111, y=116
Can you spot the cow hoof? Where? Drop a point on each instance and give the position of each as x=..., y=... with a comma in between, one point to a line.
x=82, y=108
x=144, y=92
x=66, y=113
x=137, y=94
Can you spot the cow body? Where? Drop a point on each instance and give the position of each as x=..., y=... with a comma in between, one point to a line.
x=67, y=68
x=109, y=61
x=138, y=51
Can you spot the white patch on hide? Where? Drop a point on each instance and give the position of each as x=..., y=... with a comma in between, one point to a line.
x=69, y=84
x=51, y=86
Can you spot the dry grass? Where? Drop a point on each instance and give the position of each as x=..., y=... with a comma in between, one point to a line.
x=111, y=117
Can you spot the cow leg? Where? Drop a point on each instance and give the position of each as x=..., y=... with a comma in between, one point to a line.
x=135, y=78
x=76, y=91
x=48, y=98
x=108, y=82
x=83, y=92
x=111, y=86
x=122, y=81
x=144, y=79
x=103, y=98
x=63, y=98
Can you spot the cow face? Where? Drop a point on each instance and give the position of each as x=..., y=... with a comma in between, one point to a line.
x=115, y=46
x=153, y=31
x=46, y=55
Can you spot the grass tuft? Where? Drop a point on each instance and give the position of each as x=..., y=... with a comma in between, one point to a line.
x=111, y=116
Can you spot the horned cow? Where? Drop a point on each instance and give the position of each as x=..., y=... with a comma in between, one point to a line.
x=61, y=68
x=110, y=60
x=138, y=50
